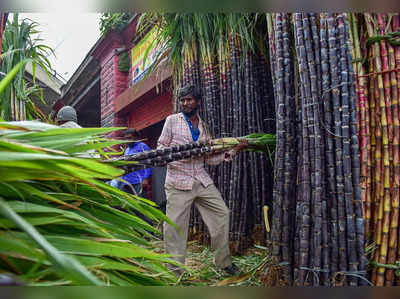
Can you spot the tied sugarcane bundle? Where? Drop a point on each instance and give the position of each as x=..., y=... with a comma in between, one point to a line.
x=258, y=142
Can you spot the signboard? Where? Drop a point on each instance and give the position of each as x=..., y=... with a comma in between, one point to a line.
x=138, y=54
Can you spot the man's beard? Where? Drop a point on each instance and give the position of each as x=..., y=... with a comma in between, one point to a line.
x=191, y=113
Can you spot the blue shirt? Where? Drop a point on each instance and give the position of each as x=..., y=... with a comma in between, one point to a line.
x=138, y=176
x=195, y=133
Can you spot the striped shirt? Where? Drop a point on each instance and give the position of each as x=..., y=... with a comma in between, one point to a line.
x=181, y=174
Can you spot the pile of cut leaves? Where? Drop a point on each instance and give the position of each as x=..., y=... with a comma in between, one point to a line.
x=202, y=271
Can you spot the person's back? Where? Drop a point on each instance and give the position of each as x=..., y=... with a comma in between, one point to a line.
x=67, y=118
x=70, y=124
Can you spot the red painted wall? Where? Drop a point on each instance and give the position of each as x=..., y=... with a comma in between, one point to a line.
x=150, y=111
x=113, y=81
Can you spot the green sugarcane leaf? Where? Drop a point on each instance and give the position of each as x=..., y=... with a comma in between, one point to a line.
x=27, y=126
x=125, y=219
x=48, y=130
x=13, y=156
x=79, y=246
x=55, y=283
x=8, y=145
x=80, y=148
x=70, y=267
x=11, y=246
x=26, y=207
x=34, y=221
x=20, y=174
x=119, y=280
x=29, y=189
x=106, y=264
x=5, y=82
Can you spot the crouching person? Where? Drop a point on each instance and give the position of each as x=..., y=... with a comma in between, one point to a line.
x=138, y=180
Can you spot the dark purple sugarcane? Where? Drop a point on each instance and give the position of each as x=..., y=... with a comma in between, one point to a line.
x=330, y=249
x=298, y=215
x=255, y=114
x=335, y=90
x=303, y=208
x=318, y=191
x=307, y=81
x=290, y=174
x=355, y=158
x=276, y=233
x=348, y=182
x=234, y=99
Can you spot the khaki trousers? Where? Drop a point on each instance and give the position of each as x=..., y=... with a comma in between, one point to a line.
x=209, y=202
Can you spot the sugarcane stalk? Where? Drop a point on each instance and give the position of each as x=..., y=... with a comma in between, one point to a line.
x=333, y=54
x=387, y=154
x=347, y=165
x=311, y=79
x=364, y=127
x=331, y=253
x=303, y=206
x=290, y=174
x=396, y=27
x=384, y=196
x=394, y=191
x=356, y=167
x=276, y=234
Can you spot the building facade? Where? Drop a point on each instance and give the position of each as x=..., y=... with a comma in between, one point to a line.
x=109, y=88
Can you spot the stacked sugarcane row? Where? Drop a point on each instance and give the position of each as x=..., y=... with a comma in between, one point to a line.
x=267, y=109
x=377, y=59
x=285, y=155
x=309, y=200
x=326, y=232
x=342, y=207
x=248, y=100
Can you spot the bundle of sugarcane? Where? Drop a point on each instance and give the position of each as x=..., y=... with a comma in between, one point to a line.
x=326, y=234
x=257, y=142
x=378, y=96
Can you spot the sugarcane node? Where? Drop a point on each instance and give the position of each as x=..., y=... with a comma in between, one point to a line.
x=198, y=144
x=162, y=151
x=197, y=151
x=205, y=149
x=181, y=147
x=186, y=154
x=158, y=159
x=168, y=158
x=147, y=161
x=175, y=148
x=152, y=154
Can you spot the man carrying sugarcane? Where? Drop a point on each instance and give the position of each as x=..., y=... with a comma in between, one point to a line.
x=187, y=182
